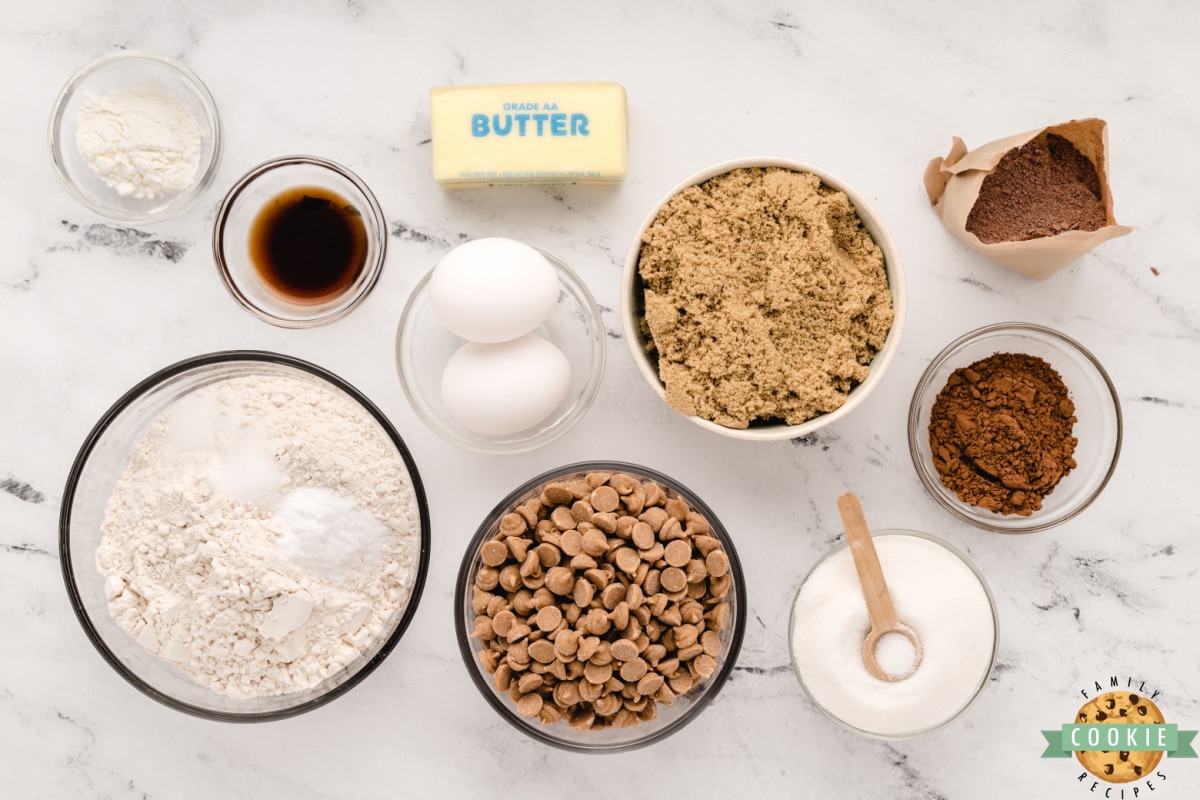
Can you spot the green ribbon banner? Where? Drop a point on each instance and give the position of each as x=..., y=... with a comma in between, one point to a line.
x=1130, y=737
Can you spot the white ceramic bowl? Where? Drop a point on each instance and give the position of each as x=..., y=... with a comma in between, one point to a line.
x=632, y=303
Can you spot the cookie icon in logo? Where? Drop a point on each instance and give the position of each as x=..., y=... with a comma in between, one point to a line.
x=1119, y=708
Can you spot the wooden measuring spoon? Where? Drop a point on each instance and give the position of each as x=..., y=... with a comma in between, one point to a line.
x=875, y=591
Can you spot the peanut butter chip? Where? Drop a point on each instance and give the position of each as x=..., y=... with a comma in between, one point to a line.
x=678, y=553
x=563, y=519
x=560, y=580
x=680, y=682
x=528, y=682
x=513, y=524
x=597, y=673
x=677, y=508
x=608, y=705
x=503, y=623
x=487, y=578
x=685, y=636
x=633, y=670
x=529, y=705
x=587, y=648
x=717, y=563
x=654, y=517
x=642, y=535
x=624, y=650
x=612, y=594
x=597, y=622
x=557, y=494
x=566, y=694
x=518, y=546
x=671, y=529
x=493, y=552
x=571, y=542
x=605, y=498
x=705, y=665
x=548, y=555
x=548, y=618
x=566, y=644
x=584, y=591
x=650, y=683
x=542, y=651
x=628, y=560
x=595, y=543
x=674, y=579
x=622, y=483
x=502, y=677
x=719, y=616
x=596, y=479
x=518, y=632
x=711, y=643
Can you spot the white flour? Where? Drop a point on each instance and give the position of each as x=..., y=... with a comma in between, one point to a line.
x=144, y=142
x=202, y=571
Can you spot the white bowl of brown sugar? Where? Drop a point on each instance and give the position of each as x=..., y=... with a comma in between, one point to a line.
x=763, y=299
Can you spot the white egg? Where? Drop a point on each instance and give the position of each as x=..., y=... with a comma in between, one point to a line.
x=503, y=388
x=493, y=290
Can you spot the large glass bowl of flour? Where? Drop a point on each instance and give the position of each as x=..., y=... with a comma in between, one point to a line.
x=244, y=536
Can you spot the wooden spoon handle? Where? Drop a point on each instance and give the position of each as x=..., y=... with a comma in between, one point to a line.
x=866, y=561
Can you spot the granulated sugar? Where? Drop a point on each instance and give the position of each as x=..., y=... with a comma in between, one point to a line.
x=211, y=550
x=937, y=595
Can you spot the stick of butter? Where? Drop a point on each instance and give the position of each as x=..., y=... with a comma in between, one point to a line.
x=528, y=133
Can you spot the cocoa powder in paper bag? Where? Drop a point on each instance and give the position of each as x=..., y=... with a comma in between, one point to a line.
x=953, y=184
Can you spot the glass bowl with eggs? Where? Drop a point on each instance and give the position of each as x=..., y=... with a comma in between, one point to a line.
x=500, y=348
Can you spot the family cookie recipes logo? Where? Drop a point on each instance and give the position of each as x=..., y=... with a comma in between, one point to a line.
x=1119, y=736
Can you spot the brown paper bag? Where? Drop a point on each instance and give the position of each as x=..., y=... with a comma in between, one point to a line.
x=953, y=182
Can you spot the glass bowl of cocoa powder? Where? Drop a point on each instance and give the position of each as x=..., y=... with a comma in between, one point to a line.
x=1015, y=428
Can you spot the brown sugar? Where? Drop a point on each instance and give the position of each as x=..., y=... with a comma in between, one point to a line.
x=1000, y=431
x=1043, y=188
x=765, y=297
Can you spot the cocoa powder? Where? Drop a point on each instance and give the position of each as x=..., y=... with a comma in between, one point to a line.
x=1043, y=188
x=1000, y=431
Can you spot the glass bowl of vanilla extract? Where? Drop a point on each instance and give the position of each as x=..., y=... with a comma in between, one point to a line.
x=300, y=241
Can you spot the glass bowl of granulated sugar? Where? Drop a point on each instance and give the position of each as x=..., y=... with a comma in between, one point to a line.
x=244, y=536
x=135, y=137
x=1015, y=428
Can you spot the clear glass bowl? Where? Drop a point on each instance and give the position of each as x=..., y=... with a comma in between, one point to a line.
x=115, y=72
x=101, y=462
x=231, y=238
x=1099, y=427
x=854, y=586
x=671, y=718
x=424, y=345
x=633, y=304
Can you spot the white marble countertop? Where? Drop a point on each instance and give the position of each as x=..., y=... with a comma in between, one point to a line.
x=88, y=308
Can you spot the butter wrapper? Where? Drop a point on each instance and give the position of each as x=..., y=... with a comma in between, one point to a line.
x=953, y=184
x=533, y=133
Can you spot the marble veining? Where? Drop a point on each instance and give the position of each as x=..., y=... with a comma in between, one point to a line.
x=869, y=91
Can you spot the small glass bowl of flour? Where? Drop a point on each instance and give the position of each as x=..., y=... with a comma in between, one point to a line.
x=135, y=137
x=936, y=591
x=244, y=536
